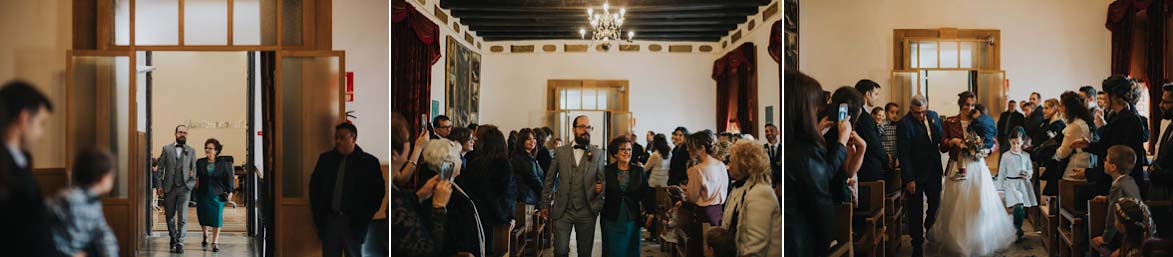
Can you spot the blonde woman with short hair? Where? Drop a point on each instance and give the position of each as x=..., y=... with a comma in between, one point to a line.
x=752, y=211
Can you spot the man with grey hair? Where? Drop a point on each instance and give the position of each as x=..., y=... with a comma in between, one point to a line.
x=918, y=138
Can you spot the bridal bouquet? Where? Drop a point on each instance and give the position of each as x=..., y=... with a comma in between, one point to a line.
x=972, y=147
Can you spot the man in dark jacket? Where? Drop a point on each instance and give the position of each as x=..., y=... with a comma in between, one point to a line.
x=23, y=114
x=1161, y=173
x=1008, y=120
x=875, y=158
x=918, y=135
x=346, y=189
x=1035, y=119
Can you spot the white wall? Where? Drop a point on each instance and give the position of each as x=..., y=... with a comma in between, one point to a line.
x=37, y=33
x=667, y=89
x=360, y=29
x=1047, y=45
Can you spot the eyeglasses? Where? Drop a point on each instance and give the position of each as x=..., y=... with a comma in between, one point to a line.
x=586, y=127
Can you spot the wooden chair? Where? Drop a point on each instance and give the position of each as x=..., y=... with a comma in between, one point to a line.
x=893, y=218
x=841, y=232
x=1049, y=224
x=1073, y=197
x=1097, y=215
x=869, y=237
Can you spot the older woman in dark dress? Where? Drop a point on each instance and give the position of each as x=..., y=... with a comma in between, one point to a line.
x=213, y=188
x=628, y=202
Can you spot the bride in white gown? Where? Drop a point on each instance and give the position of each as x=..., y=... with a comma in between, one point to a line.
x=972, y=220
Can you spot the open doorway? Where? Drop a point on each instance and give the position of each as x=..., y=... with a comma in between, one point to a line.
x=213, y=95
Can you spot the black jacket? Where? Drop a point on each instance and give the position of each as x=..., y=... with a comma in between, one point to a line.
x=219, y=182
x=545, y=157
x=1006, y=122
x=363, y=190
x=22, y=210
x=638, y=197
x=461, y=234
x=1034, y=122
x=919, y=155
x=678, y=166
x=1124, y=128
x=776, y=163
x=1161, y=173
x=807, y=207
x=529, y=176
x=875, y=158
x=639, y=156
x=491, y=186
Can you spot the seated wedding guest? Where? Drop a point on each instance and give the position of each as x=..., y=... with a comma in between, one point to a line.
x=808, y=205
x=488, y=180
x=1135, y=223
x=1120, y=160
x=417, y=225
x=76, y=219
x=628, y=202
x=1076, y=159
x=1014, y=178
x=1124, y=127
x=528, y=174
x=752, y=213
x=462, y=233
x=719, y=243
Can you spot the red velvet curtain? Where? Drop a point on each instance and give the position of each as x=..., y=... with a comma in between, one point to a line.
x=1121, y=20
x=414, y=48
x=737, y=89
x=775, y=47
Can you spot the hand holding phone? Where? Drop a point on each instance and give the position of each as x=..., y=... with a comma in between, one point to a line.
x=446, y=170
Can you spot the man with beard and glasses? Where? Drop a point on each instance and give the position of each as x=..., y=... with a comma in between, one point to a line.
x=177, y=164
x=1161, y=172
x=578, y=199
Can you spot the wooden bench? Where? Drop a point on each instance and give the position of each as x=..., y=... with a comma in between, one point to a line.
x=1049, y=224
x=1162, y=217
x=893, y=219
x=841, y=232
x=1072, y=231
x=869, y=237
x=1097, y=215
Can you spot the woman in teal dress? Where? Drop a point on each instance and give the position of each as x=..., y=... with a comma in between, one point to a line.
x=628, y=202
x=213, y=188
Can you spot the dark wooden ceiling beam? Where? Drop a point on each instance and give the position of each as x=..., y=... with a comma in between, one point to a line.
x=582, y=15
x=634, y=22
x=640, y=29
x=576, y=35
x=661, y=5
x=638, y=38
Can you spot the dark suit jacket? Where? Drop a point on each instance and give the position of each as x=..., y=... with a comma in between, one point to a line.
x=362, y=194
x=639, y=155
x=775, y=163
x=1033, y=122
x=22, y=210
x=1006, y=122
x=528, y=176
x=545, y=157
x=1125, y=128
x=678, y=166
x=1161, y=173
x=875, y=159
x=219, y=182
x=638, y=197
x=807, y=207
x=919, y=155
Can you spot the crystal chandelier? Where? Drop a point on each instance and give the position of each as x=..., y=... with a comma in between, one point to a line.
x=606, y=26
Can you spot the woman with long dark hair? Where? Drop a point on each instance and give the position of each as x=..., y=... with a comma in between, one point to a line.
x=659, y=161
x=808, y=207
x=1125, y=127
x=1077, y=115
x=489, y=182
x=528, y=173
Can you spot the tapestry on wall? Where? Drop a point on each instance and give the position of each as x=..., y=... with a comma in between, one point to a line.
x=462, y=82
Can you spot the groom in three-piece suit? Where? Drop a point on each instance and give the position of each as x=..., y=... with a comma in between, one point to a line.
x=574, y=184
x=918, y=138
x=177, y=165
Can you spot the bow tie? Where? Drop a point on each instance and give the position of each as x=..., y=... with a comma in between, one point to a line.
x=583, y=147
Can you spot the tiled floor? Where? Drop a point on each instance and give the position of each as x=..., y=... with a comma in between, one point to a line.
x=231, y=244
x=234, y=220
x=1031, y=245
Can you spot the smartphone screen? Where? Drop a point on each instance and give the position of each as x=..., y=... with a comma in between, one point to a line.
x=842, y=111
x=446, y=170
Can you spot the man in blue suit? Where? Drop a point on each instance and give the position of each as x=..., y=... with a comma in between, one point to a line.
x=918, y=138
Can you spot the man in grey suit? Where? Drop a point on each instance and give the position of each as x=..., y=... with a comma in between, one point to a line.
x=576, y=197
x=177, y=165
